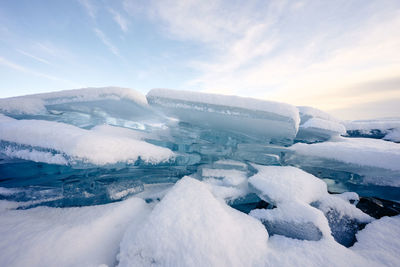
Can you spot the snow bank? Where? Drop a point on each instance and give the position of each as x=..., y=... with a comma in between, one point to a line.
x=230, y=113
x=79, y=144
x=189, y=227
x=87, y=236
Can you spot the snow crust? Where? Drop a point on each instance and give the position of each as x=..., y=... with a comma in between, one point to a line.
x=92, y=146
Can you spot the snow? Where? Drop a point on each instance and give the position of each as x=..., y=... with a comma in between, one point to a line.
x=380, y=241
x=246, y=116
x=360, y=151
x=367, y=125
x=393, y=135
x=279, y=184
x=80, y=144
x=325, y=125
x=190, y=227
x=35, y=104
x=293, y=191
x=317, y=125
x=310, y=112
x=87, y=236
x=282, y=109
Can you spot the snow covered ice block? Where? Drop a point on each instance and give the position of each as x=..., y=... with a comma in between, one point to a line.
x=316, y=126
x=189, y=227
x=375, y=161
x=83, y=107
x=60, y=143
x=386, y=128
x=304, y=209
x=253, y=118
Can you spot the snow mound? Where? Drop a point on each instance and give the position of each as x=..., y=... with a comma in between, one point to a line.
x=62, y=142
x=190, y=227
x=257, y=118
x=87, y=236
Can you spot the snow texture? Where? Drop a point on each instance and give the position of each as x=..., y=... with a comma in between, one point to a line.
x=190, y=227
x=87, y=236
x=380, y=241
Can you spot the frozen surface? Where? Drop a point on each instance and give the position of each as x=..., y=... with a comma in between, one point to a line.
x=266, y=120
x=190, y=227
x=61, y=141
x=87, y=236
x=86, y=147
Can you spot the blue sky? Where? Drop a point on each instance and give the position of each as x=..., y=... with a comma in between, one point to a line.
x=339, y=56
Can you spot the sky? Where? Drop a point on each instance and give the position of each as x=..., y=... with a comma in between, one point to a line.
x=339, y=56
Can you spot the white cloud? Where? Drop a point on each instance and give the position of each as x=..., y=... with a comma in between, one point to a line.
x=20, y=68
x=33, y=57
x=106, y=41
x=308, y=53
x=119, y=19
x=89, y=8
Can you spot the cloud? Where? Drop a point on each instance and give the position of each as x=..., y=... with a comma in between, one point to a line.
x=106, y=41
x=305, y=53
x=90, y=9
x=119, y=19
x=33, y=57
x=20, y=68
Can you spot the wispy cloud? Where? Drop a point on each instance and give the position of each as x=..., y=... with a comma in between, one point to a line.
x=106, y=41
x=308, y=53
x=33, y=57
x=21, y=68
x=119, y=19
x=90, y=9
